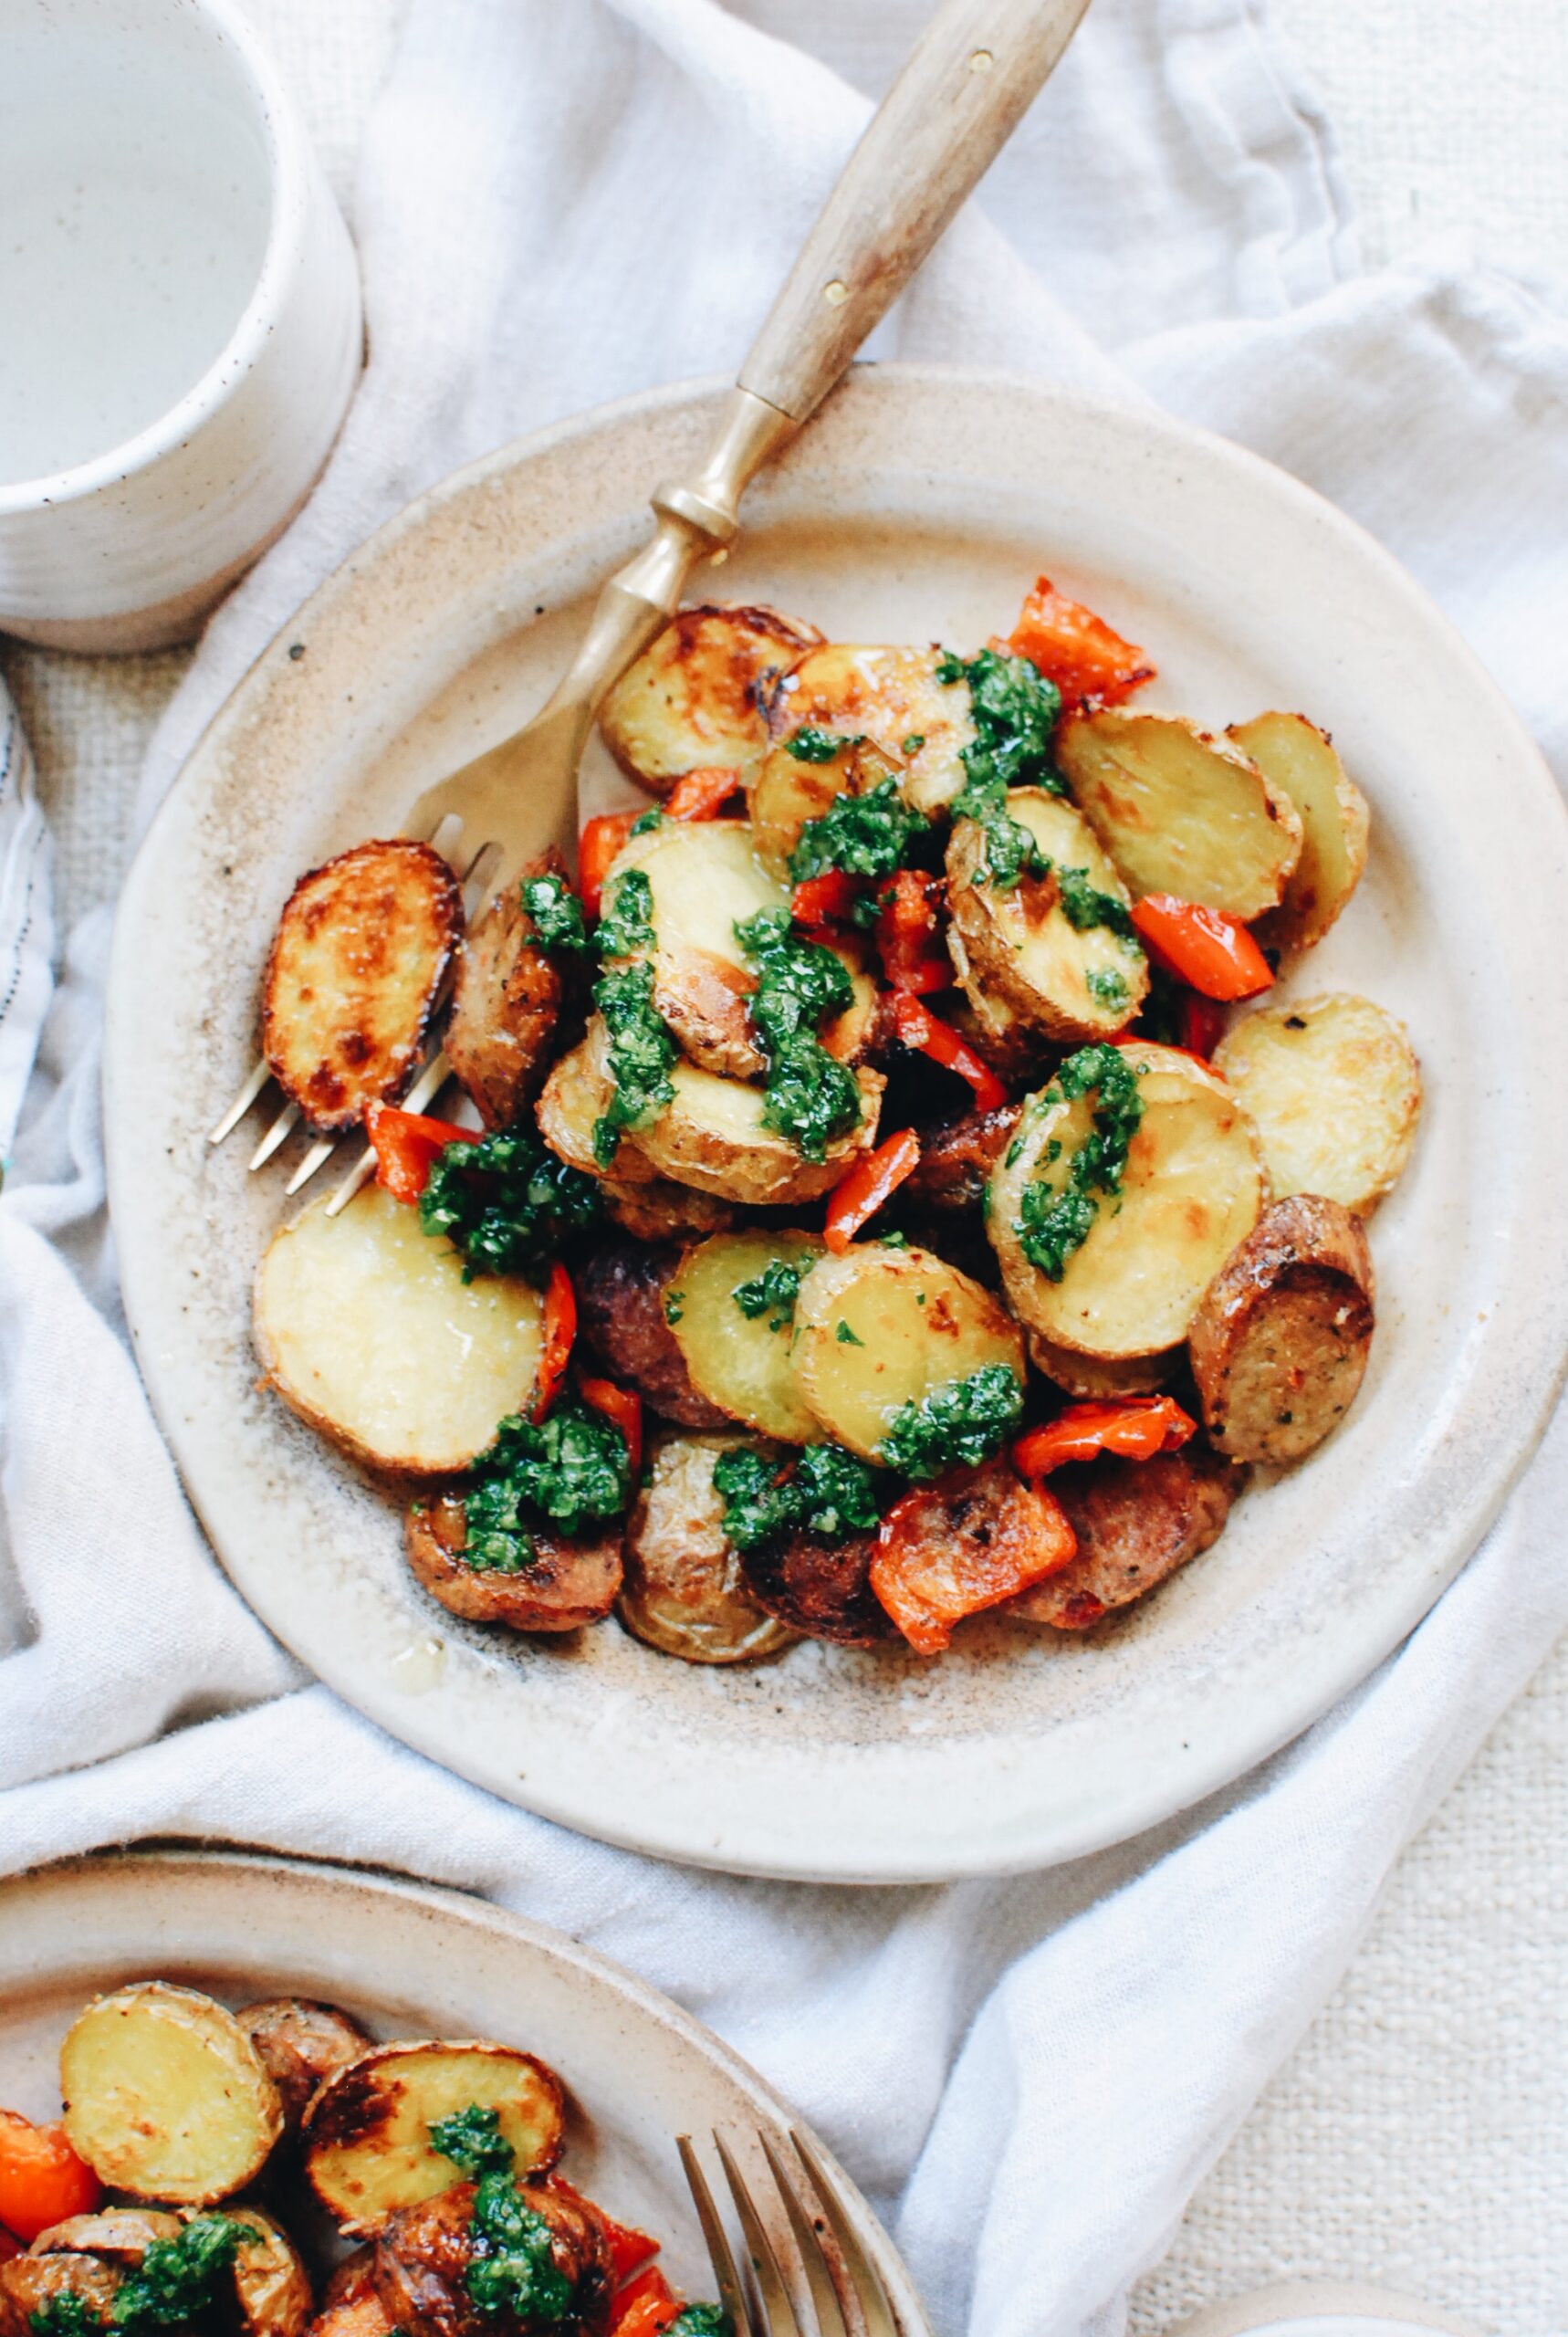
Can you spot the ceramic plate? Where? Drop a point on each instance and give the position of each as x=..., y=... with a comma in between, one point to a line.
x=410, y=1961
x=920, y=505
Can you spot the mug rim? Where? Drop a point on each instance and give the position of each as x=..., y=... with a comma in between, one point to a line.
x=288, y=163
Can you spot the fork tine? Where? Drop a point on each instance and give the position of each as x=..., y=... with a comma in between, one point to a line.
x=476, y=882
x=824, y=2296
x=726, y=2278
x=260, y=1071
x=875, y=2304
x=321, y=1150
x=281, y=1127
x=425, y=1089
x=446, y=834
x=776, y=2304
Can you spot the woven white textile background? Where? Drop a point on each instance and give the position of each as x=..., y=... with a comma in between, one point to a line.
x=1419, y=2135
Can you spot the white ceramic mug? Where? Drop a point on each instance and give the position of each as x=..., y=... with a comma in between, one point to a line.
x=180, y=323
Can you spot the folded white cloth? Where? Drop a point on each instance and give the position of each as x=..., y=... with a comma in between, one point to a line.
x=556, y=205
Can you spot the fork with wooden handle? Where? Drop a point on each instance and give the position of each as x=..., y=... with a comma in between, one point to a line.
x=962, y=92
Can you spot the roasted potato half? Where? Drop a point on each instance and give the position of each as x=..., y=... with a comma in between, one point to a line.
x=740, y=1357
x=1074, y=982
x=877, y=1329
x=506, y=1004
x=890, y=696
x=1192, y=1188
x=788, y=794
x=270, y=2286
x=366, y=1328
x=300, y=2043
x=352, y=975
x=568, y=1585
x=684, y=1591
x=645, y=1205
x=1089, y=1376
x=1135, y=1521
x=1298, y=760
x=1334, y=1088
x=689, y=703
x=1180, y=811
x=367, y=2133
x=166, y=2097
x=713, y=1137
x=1279, y=1345
x=705, y=879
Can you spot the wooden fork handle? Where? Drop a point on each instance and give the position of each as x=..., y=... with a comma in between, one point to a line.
x=967, y=84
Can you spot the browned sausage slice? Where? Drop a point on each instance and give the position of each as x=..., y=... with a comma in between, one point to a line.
x=506, y=1004
x=569, y=1584
x=300, y=2043
x=1137, y=1521
x=621, y=1308
x=823, y=1588
x=957, y=1159
x=1282, y=1335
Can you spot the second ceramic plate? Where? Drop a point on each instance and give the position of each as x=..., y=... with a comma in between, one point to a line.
x=919, y=505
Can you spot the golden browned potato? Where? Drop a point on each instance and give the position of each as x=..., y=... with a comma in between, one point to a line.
x=627, y=1310
x=890, y=696
x=736, y=1335
x=300, y=2043
x=704, y=879
x=353, y=974
x=1299, y=760
x=649, y=1207
x=569, y=1584
x=1192, y=1188
x=879, y=1329
x=713, y=1136
x=366, y=1328
x=1035, y=944
x=272, y=2288
x=30, y=2283
x=1137, y=1521
x=1279, y=1345
x=689, y=703
x=426, y=2253
x=367, y=2133
x=166, y=2097
x=1094, y=1375
x=1334, y=1088
x=1180, y=811
x=685, y=1592
x=506, y=1004
x=789, y=792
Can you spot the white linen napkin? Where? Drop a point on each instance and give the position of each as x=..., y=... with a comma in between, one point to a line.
x=558, y=205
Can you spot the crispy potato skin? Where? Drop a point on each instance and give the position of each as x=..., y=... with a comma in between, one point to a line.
x=1019, y=945
x=28, y=2283
x=424, y=2256
x=684, y=1591
x=1137, y=1521
x=886, y=695
x=1281, y=1341
x=821, y=1589
x=570, y=1583
x=691, y=699
x=300, y=2043
x=621, y=1309
x=272, y=2288
x=1299, y=759
x=352, y=975
x=1092, y=1376
x=506, y=1004
x=957, y=1159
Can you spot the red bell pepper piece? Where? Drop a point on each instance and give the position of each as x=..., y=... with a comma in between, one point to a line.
x=42, y=2181
x=407, y=1146
x=908, y=936
x=869, y=1183
x=1211, y=952
x=816, y=899
x=1077, y=650
x=929, y=1573
x=1136, y=1426
x=620, y=1404
x=701, y=795
x=560, y=1331
x=645, y=2306
x=629, y=2250
x=919, y=1028
x=1202, y=1025
x=597, y=847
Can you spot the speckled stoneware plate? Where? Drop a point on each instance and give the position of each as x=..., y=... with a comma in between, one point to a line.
x=919, y=505
x=411, y=1961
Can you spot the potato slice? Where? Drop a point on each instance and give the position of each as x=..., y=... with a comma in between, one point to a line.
x=300, y=2043
x=272, y=2288
x=166, y=2097
x=366, y=1328
x=1299, y=760
x=786, y=792
x=648, y=1206
x=684, y=1591
x=1021, y=944
x=712, y=1135
x=1180, y=811
x=890, y=696
x=352, y=975
x=705, y=879
x=1192, y=1188
x=367, y=2133
x=1334, y=1088
x=877, y=1329
x=690, y=700
x=744, y=1363
x=1089, y=1376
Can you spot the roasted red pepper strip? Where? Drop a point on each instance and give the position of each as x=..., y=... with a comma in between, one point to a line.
x=597, y=846
x=929, y=1574
x=919, y=1028
x=869, y=1183
x=42, y=2181
x=645, y=2306
x=407, y=1147
x=907, y=934
x=1202, y=1025
x=1212, y=953
x=1136, y=1427
x=1077, y=650
x=629, y=2250
x=620, y=1404
x=818, y=898
x=560, y=1331
x=701, y=795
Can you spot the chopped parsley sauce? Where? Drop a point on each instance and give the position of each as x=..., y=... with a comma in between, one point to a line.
x=513, y=2269
x=175, y=2282
x=555, y=913
x=574, y=1468
x=955, y=1427
x=828, y=1492
x=772, y=1293
x=505, y=1203
x=860, y=835
x=641, y=1053
x=811, y=745
x=1013, y=710
x=809, y=1097
x=1053, y=1225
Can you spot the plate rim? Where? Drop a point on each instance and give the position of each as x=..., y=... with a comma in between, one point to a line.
x=1317, y=1684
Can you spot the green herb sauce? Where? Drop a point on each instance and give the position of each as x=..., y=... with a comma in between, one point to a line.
x=860, y=835
x=505, y=1203
x=772, y=1293
x=811, y=745
x=647, y=821
x=641, y=1053
x=674, y=1306
x=829, y=1492
x=1013, y=710
x=1053, y=1226
x=574, y=1468
x=957, y=1426
x=1106, y=986
x=175, y=2281
x=514, y=2268
x=845, y=1337
x=555, y=912
x=809, y=1097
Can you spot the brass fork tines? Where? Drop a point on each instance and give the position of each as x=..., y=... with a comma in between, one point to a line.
x=846, y=2275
